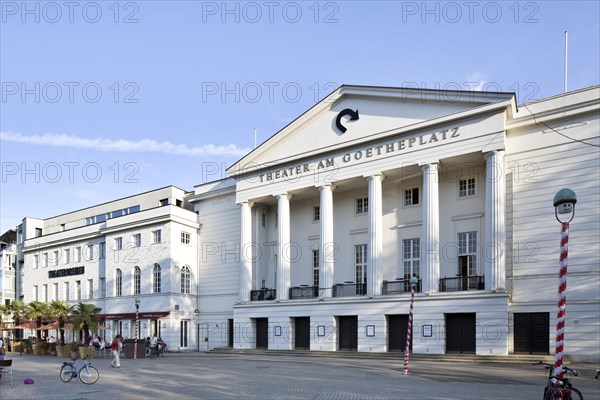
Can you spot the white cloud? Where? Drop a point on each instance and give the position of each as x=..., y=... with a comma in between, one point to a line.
x=477, y=80
x=123, y=145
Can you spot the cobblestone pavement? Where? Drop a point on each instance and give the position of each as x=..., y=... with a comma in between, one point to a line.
x=244, y=376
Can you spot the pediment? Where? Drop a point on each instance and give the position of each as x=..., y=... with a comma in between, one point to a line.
x=381, y=112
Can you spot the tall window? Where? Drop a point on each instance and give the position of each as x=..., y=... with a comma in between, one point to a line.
x=467, y=253
x=156, y=236
x=101, y=250
x=103, y=287
x=118, y=283
x=55, y=291
x=90, y=252
x=45, y=292
x=90, y=289
x=36, y=261
x=315, y=268
x=466, y=187
x=156, y=279
x=45, y=256
x=137, y=280
x=35, y=293
x=137, y=240
x=183, y=334
x=362, y=205
x=77, y=290
x=118, y=243
x=360, y=252
x=316, y=214
x=185, y=279
x=411, y=256
x=66, y=290
x=55, y=261
x=67, y=255
x=77, y=254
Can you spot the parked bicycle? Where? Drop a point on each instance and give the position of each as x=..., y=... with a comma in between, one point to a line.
x=86, y=374
x=560, y=388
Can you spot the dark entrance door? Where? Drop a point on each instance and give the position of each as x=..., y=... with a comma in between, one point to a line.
x=230, y=332
x=348, y=332
x=397, y=330
x=262, y=333
x=302, y=333
x=460, y=333
x=532, y=333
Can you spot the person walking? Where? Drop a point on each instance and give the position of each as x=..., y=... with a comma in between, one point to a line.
x=115, y=346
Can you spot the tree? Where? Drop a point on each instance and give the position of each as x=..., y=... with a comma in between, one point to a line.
x=85, y=318
x=40, y=312
x=61, y=310
x=17, y=308
x=4, y=310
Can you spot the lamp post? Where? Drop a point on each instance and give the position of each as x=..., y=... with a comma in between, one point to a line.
x=564, y=204
x=413, y=282
x=137, y=313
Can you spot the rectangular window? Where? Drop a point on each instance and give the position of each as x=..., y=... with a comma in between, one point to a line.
x=78, y=254
x=35, y=293
x=411, y=257
x=263, y=220
x=67, y=256
x=36, y=261
x=316, y=214
x=101, y=218
x=77, y=290
x=466, y=187
x=163, y=202
x=118, y=243
x=360, y=257
x=156, y=236
x=411, y=197
x=45, y=256
x=66, y=286
x=362, y=205
x=90, y=252
x=185, y=238
x=55, y=291
x=45, y=292
x=90, y=289
x=38, y=232
x=101, y=250
x=137, y=240
x=103, y=287
x=467, y=254
x=315, y=268
x=55, y=261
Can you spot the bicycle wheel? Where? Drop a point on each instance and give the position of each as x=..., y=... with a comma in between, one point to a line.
x=575, y=395
x=66, y=373
x=88, y=375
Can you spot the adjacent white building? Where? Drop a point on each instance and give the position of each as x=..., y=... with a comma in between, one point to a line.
x=140, y=248
x=8, y=267
x=312, y=241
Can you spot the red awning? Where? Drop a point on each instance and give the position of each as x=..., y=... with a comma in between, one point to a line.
x=145, y=315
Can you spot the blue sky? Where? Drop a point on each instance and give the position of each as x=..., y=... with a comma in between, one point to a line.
x=105, y=99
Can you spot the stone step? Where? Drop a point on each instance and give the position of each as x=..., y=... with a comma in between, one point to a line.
x=466, y=358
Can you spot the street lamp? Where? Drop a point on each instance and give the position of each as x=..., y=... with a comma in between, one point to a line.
x=564, y=204
x=137, y=311
x=413, y=282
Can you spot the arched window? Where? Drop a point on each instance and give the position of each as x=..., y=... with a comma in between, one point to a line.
x=137, y=280
x=185, y=279
x=118, y=283
x=156, y=279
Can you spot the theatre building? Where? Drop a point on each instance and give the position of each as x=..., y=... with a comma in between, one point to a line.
x=140, y=249
x=312, y=241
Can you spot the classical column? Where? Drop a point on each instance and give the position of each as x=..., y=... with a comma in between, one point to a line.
x=246, y=251
x=283, y=234
x=375, y=246
x=431, y=229
x=495, y=221
x=327, y=246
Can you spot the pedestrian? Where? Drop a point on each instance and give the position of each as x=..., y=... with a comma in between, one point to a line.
x=115, y=346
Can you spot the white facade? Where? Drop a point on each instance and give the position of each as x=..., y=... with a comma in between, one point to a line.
x=310, y=244
x=141, y=247
x=8, y=267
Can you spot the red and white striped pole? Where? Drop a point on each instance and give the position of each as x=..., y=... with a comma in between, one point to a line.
x=135, y=345
x=410, y=324
x=562, y=301
x=564, y=204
